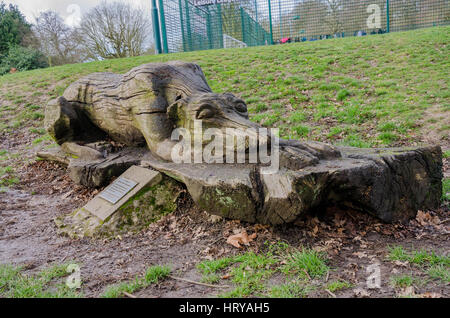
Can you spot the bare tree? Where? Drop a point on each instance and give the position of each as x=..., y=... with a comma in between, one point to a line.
x=113, y=30
x=58, y=41
x=334, y=17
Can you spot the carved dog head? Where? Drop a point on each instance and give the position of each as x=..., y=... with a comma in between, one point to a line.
x=219, y=111
x=214, y=110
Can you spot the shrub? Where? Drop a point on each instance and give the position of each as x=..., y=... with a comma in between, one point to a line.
x=23, y=59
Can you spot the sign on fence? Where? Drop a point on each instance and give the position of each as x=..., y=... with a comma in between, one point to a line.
x=199, y=3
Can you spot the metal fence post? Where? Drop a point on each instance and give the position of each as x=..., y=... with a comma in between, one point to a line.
x=209, y=29
x=270, y=23
x=162, y=20
x=219, y=10
x=183, y=36
x=388, y=26
x=188, y=26
x=243, y=26
x=156, y=30
x=281, y=19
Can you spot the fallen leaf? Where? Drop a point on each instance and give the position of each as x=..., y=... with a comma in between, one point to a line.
x=360, y=292
x=403, y=264
x=241, y=238
x=315, y=230
x=425, y=218
x=430, y=295
x=360, y=254
x=260, y=227
x=215, y=218
x=420, y=236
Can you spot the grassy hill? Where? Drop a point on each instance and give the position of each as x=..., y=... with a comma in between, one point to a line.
x=381, y=90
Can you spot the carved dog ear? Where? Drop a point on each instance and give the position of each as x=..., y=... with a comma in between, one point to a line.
x=229, y=95
x=175, y=111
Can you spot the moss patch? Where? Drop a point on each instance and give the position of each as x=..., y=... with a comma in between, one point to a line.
x=147, y=206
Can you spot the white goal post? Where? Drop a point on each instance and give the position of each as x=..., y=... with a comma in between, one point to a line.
x=230, y=42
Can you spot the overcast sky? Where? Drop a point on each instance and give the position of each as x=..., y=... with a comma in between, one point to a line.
x=70, y=10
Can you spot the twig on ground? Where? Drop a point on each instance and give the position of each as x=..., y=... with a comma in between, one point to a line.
x=309, y=277
x=329, y=292
x=215, y=241
x=129, y=295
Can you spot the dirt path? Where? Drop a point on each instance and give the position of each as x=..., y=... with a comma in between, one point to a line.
x=28, y=236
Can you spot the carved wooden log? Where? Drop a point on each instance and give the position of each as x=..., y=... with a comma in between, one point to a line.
x=96, y=173
x=391, y=184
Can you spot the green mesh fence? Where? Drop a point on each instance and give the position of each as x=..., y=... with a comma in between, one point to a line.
x=189, y=25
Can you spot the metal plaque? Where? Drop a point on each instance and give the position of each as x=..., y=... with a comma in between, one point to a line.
x=117, y=190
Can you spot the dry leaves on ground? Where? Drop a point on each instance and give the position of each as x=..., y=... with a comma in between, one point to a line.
x=360, y=292
x=425, y=218
x=241, y=238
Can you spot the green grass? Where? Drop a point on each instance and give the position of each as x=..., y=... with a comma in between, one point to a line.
x=328, y=84
x=342, y=94
x=156, y=273
x=153, y=275
x=301, y=131
x=250, y=273
x=297, y=117
x=434, y=265
x=417, y=257
x=117, y=290
x=39, y=131
x=306, y=262
x=402, y=281
x=355, y=141
x=47, y=283
x=7, y=176
x=337, y=285
x=213, y=266
x=387, y=137
x=297, y=289
x=439, y=272
x=211, y=278
x=446, y=189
